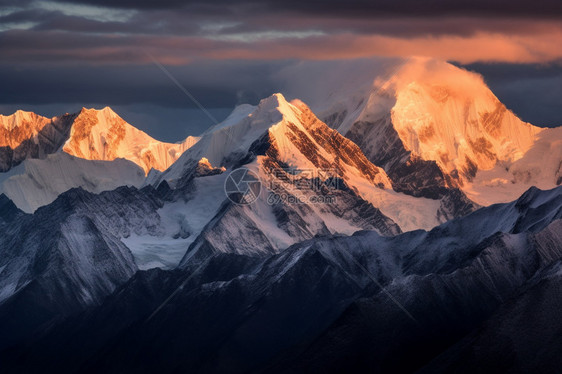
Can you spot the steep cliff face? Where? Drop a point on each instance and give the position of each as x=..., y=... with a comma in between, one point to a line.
x=67, y=255
x=300, y=141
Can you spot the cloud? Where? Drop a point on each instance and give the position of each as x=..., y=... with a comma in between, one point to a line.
x=226, y=52
x=98, y=35
x=24, y=47
x=179, y=32
x=349, y=8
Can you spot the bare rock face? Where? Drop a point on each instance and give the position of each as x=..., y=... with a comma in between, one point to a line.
x=409, y=173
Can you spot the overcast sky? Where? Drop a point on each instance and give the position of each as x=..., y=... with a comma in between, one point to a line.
x=57, y=56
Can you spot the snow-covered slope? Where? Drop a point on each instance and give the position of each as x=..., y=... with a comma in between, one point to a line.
x=540, y=166
x=183, y=217
x=445, y=114
x=221, y=144
x=78, y=234
x=297, y=274
x=42, y=180
x=103, y=135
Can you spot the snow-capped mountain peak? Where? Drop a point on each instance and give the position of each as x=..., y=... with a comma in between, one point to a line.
x=302, y=141
x=433, y=126
x=231, y=139
x=449, y=115
x=445, y=114
x=103, y=135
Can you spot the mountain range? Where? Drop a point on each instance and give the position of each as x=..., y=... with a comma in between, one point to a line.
x=398, y=226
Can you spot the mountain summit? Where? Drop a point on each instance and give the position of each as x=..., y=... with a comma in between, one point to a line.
x=103, y=135
x=434, y=126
